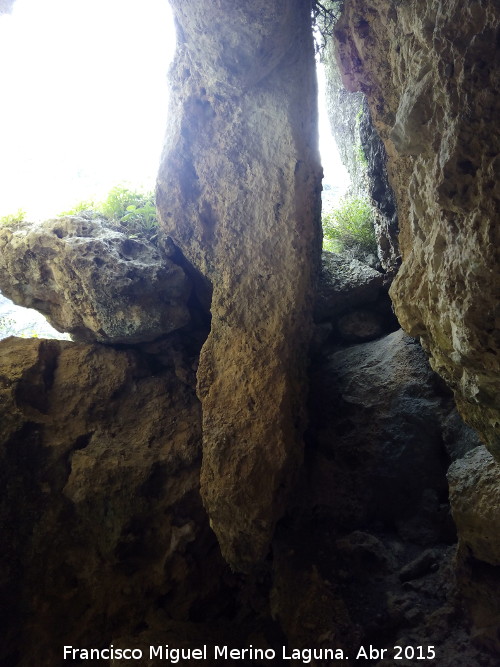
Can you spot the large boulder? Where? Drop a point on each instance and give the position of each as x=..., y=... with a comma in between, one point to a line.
x=475, y=503
x=239, y=194
x=367, y=548
x=432, y=79
x=102, y=521
x=93, y=281
x=381, y=420
x=345, y=283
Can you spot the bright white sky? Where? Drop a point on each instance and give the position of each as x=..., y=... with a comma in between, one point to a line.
x=84, y=101
x=335, y=174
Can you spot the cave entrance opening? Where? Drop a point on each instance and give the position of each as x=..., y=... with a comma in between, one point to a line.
x=85, y=109
x=86, y=85
x=85, y=99
x=336, y=180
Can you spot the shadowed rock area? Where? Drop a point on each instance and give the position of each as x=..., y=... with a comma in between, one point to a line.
x=100, y=471
x=107, y=541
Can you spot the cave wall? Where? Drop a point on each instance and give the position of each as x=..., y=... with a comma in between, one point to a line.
x=238, y=192
x=430, y=71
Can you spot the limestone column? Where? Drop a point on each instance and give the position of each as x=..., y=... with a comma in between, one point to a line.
x=239, y=192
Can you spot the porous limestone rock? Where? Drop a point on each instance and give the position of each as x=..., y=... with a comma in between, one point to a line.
x=102, y=521
x=93, y=281
x=430, y=72
x=475, y=503
x=239, y=194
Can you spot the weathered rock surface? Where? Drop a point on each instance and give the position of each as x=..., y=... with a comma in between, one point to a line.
x=344, y=109
x=352, y=303
x=106, y=540
x=379, y=418
x=475, y=504
x=93, y=281
x=368, y=541
x=344, y=283
x=101, y=516
x=431, y=76
x=360, y=325
x=239, y=194
x=381, y=194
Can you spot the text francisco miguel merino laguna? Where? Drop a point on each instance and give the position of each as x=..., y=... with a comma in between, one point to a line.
x=174, y=655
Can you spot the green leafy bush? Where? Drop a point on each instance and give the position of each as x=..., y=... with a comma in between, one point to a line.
x=144, y=217
x=131, y=210
x=86, y=206
x=13, y=218
x=117, y=203
x=349, y=226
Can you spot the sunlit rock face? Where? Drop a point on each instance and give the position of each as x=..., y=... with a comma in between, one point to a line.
x=430, y=71
x=345, y=109
x=93, y=281
x=238, y=192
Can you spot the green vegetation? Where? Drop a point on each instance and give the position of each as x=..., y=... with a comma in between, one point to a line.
x=349, y=227
x=361, y=156
x=13, y=218
x=358, y=148
x=131, y=211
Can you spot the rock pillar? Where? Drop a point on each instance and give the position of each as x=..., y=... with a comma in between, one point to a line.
x=238, y=192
